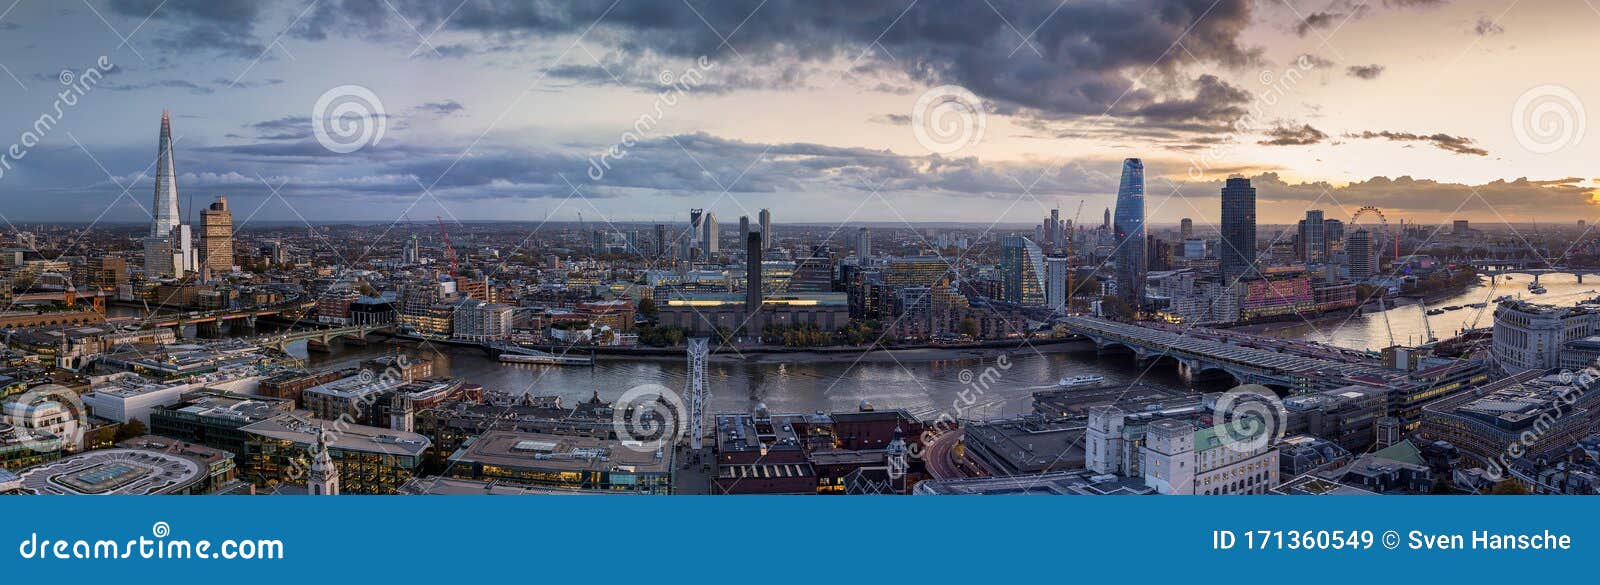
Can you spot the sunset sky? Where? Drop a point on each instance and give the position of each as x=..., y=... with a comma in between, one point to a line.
x=494, y=109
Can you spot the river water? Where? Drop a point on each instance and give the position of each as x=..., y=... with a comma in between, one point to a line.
x=928, y=388
x=1370, y=330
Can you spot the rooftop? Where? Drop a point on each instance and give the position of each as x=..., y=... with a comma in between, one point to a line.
x=234, y=407
x=115, y=471
x=520, y=450
x=301, y=429
x=1076, y=482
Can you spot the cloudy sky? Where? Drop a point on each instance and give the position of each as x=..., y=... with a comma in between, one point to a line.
x=822, y=110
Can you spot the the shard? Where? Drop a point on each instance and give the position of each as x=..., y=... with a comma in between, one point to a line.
x=168, y=250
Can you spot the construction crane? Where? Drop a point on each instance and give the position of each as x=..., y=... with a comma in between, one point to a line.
x=1383, y=310
x=449, y=251
x=1427, y=329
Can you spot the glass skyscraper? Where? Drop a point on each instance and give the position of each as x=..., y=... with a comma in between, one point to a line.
x=1131, y=262
x=1022, y=271
x=168, y=250
x=1238, y=230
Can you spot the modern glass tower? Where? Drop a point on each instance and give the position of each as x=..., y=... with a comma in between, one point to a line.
x=1022, y=271
x=168, y=250
x=765, y=219
x=1131, y=262
x=1238, y=230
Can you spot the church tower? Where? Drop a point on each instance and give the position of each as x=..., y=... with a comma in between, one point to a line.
x=324, y=477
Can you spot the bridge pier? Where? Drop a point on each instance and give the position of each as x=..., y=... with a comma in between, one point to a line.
x=208, y=329
x=321, y=344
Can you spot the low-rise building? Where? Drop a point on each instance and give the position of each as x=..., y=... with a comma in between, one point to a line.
x=1533, y=414
x=563, y=462
x=216, y=419
x=142, y=466
x=1346, y=416
x=370, y=460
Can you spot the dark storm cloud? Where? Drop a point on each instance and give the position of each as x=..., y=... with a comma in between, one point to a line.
x=217, y=26
x=1090, y=51
x=1214, y=100
x=1293, y=136
x=1364, y=71
x=1455, y=144
x=1319, y=20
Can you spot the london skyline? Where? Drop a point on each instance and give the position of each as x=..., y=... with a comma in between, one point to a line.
x=495, y=112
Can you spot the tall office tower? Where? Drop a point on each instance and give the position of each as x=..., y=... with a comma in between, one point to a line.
x=752, y=282
x=863, y=243
x=1238, y=251
x=1461, y=227
x=216, y=233
x=1055, y=283
x=696, y=216
x=1186, y=227
x=1055, y=227
x=744, y=226
x=1131, y=262
x=1363, y=253
x=661, y=240
x=709, y=235
x=164, y=254
x=765, y=219
x=1022, y=271
x=1107, y=224
x=1332, y=240
x=1313, y=243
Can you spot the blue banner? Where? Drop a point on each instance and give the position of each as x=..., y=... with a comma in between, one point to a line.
x=785, y=539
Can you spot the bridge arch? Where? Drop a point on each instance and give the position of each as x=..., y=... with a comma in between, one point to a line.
x=1210, y=374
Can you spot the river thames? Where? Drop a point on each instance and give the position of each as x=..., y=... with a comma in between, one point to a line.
x=930, y=387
